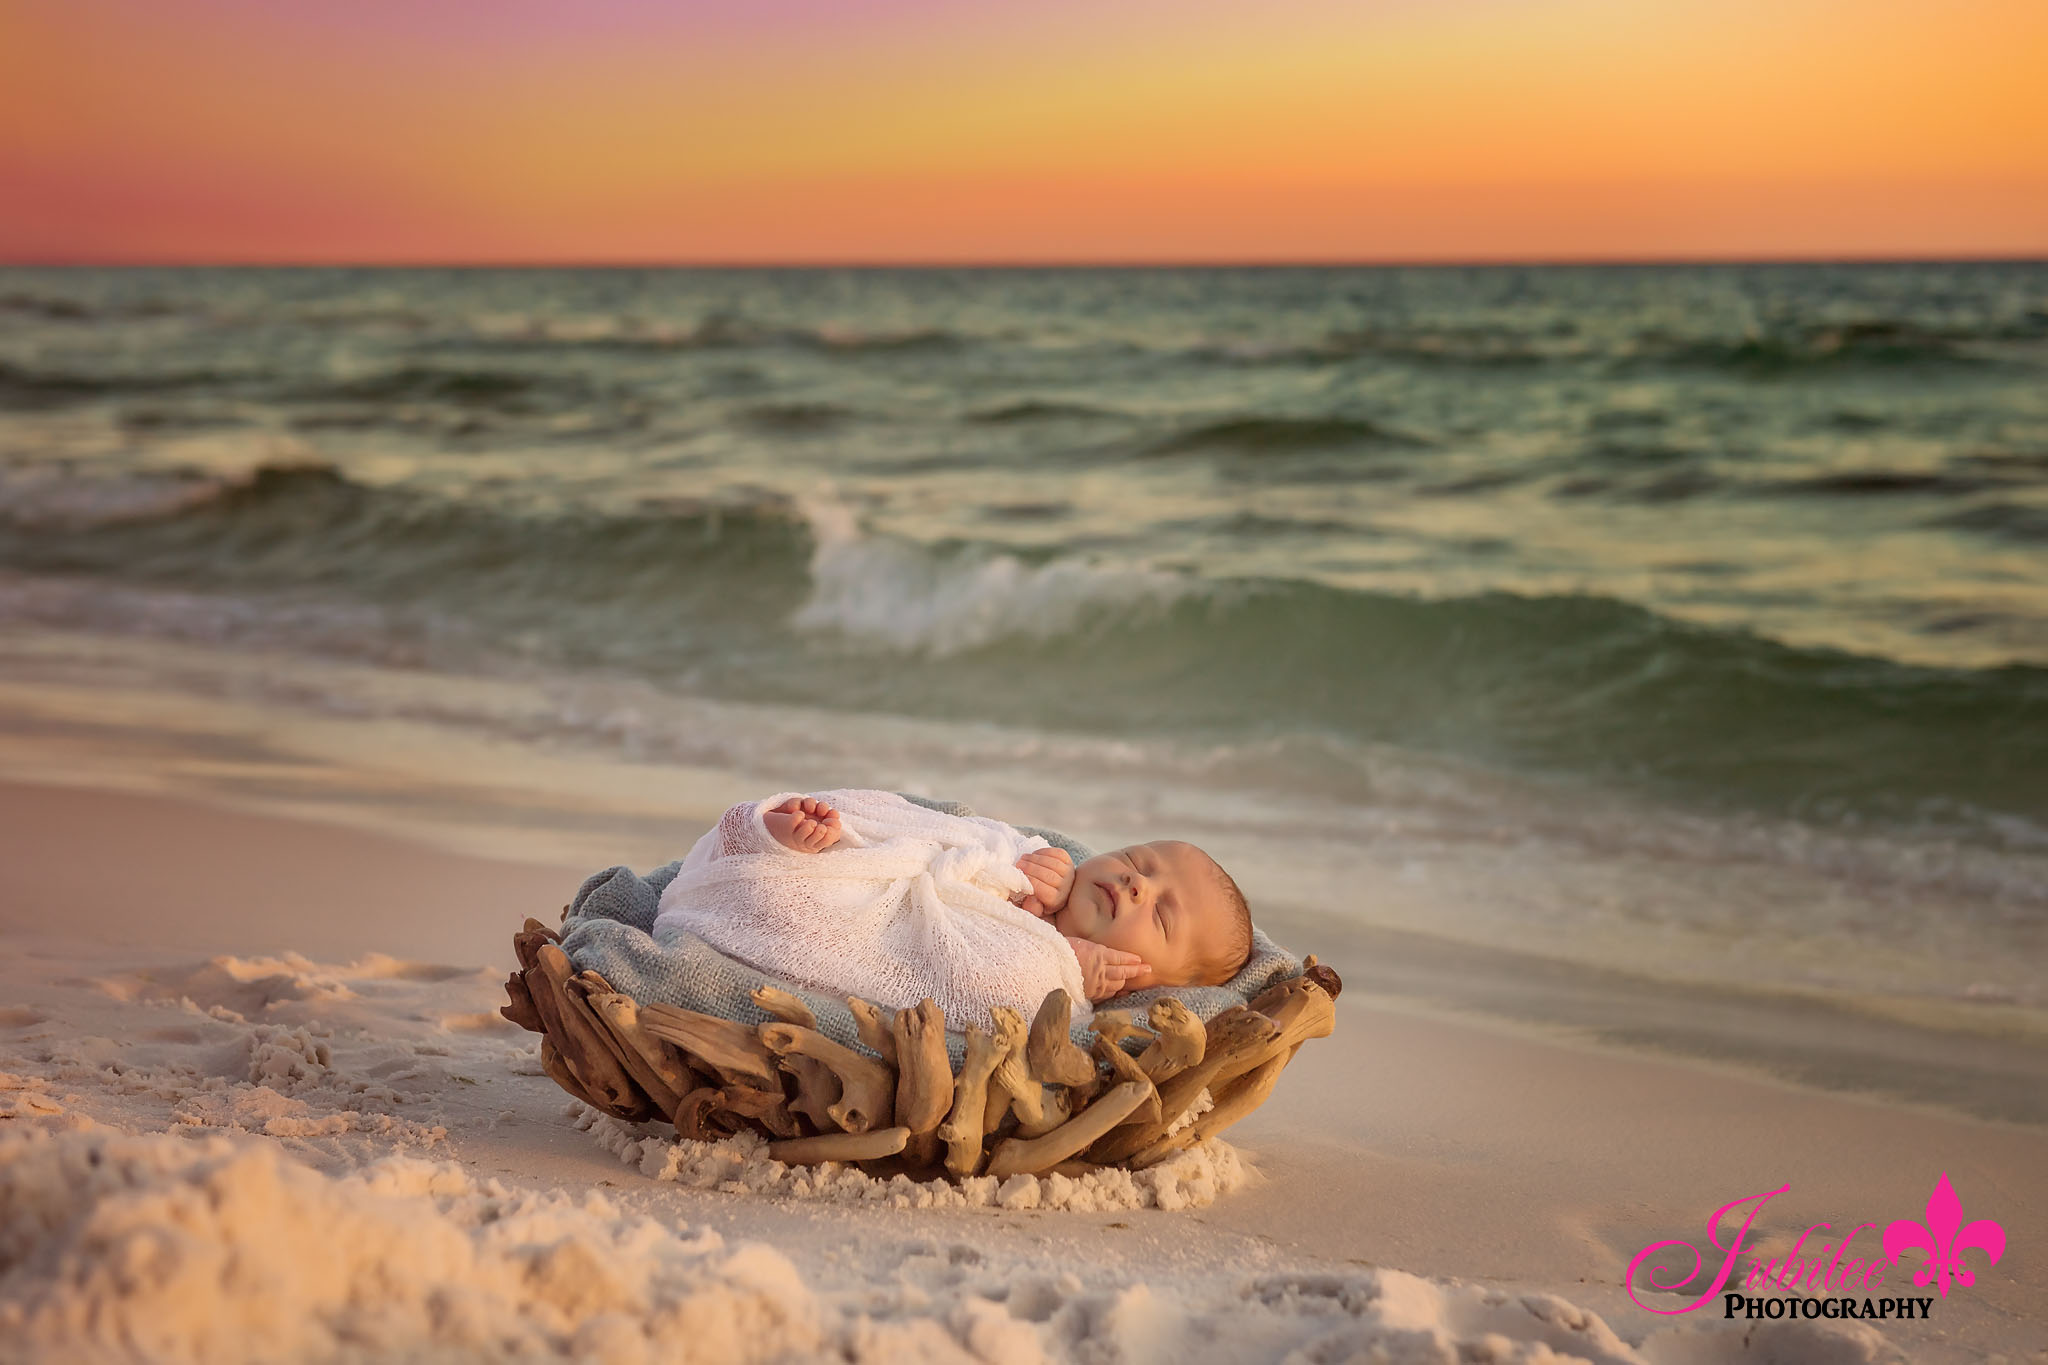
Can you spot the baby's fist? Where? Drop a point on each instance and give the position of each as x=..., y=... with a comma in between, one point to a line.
x=1051, y=874
x=1105, y=971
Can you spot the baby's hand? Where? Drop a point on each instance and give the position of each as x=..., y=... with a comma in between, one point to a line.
x=803, y=824
x=1105, y=971
x=1052, y=880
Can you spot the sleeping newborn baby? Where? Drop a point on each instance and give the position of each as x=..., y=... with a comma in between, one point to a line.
x=858, y=892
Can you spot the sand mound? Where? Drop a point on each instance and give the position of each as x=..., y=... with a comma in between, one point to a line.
x=741, y=1165
x=26, y=1101
x=115, y=1247
x=287, y=987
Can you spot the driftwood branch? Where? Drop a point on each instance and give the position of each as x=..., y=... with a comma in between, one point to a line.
x=556, y=1070
x=1124, y=1070
x=692, y=1114
x=867, y=1087
x=526, y=943
x=584, y=1044
x=1323, y=975
x=519, y=1006
x=817, y=1090
x=769, y=1108
x=1233, y=1104
x=1027, y=1156
x=619, y=1014
x=725, y=1046
x=1050, y=1050
x=784, y=1006
x=1116, y=1025
x=924, y=1076
x=1235, y=1033
x=873, y=1023
x=1179, y=1043
x=964, y=1128
x=1012, y=1076
x=1301, y=1008
x=879, y=1142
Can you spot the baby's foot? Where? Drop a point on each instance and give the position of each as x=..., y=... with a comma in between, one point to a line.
x=803, y=824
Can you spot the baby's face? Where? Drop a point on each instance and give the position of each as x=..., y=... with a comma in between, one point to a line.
x=1163, y=901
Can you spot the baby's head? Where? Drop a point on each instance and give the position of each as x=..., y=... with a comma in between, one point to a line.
x=1168, y=902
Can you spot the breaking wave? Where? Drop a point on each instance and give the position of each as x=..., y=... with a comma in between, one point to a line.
x=760, y=597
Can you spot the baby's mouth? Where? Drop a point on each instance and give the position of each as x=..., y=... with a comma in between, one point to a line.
x=1108, y=899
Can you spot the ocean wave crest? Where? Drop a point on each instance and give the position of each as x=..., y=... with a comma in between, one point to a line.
x=61, y=498
x=1877, y=343
x=894, y=594
x=26, y=389
x=752, y=594
x=2013, y=522
x=1284, y=435
x=714, y=332
x=1043, y=410
x=58, y=308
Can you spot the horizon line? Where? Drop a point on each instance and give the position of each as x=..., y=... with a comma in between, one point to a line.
x=1025, y=264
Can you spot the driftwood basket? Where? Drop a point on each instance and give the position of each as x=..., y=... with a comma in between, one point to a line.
x=1027, y=1099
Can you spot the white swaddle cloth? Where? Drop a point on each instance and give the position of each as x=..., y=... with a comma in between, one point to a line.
x=909, y=903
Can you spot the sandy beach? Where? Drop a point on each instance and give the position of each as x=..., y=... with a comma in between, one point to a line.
x=1540, y=507
x=281, y=996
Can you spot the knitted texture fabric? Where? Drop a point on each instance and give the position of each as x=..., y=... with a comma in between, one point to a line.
x=909, y=903
x=608, y=929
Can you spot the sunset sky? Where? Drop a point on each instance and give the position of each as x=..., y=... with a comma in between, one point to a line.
x=1056, y=130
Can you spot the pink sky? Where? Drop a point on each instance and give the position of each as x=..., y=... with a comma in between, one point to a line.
x=628, y=130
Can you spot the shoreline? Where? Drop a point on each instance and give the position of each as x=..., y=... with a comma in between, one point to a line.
x=1988, y=1065
x=588, y=771
x=1986, y=1062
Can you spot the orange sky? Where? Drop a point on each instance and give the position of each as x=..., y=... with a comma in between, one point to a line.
x=1061, y=130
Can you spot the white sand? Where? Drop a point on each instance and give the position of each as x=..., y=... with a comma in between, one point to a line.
x=214, y=1149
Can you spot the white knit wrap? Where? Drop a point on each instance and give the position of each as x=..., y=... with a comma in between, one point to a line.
x=909, y=903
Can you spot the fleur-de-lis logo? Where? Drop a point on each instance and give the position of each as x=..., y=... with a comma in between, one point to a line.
x=1942, y=1241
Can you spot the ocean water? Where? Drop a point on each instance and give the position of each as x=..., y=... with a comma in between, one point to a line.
x=1702, y=610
